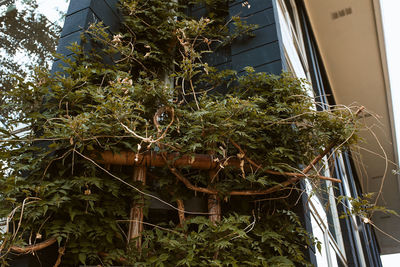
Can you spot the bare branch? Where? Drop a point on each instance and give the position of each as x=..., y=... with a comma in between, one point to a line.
x=34, y=248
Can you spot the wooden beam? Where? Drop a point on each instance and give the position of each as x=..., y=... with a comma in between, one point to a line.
x=153, y=159
x=196, y=161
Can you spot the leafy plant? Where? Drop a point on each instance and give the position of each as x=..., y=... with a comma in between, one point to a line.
x=148, y=90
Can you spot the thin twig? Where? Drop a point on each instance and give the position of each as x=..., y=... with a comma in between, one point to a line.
x=386, y=167
x=22, y=213
x=248, y=228
x=383, y=232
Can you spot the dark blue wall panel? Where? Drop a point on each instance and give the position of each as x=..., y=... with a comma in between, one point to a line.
x=256, y=56
x=261, y=18
x=198, y=12
x=76, y=5
x=113, y=5
x=66, y=41
x=78, y=21
x=82, y=13
x=261, y=51
x=239, y=9
x=222, y=56
x=274, y=67
x=106, y=14
x=262, y=36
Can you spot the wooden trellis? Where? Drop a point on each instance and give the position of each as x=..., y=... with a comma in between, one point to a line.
x=142, y=161
x=209, y=162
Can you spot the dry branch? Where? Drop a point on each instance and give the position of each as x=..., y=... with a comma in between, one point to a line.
x=35, y=247
x=61, y=252
x=189, y=185
x=295, y=179
x=291, y=174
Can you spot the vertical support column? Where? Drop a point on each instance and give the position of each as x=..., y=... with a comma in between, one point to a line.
x=214, y=204
x=136, y=217
x=181, y=212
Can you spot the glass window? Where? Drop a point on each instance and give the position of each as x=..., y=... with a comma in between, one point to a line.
x=347, y=191
x=324, y=219
x=287, y=11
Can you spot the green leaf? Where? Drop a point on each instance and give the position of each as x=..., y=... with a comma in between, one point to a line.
x=82, y=258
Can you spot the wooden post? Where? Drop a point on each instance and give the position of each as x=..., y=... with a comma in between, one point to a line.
x=214, y=204
x=181, y=211
x=136, y=217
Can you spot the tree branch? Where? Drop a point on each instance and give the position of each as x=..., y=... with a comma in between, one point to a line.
x=291, y=174
x=35, y=247
x=273, y=189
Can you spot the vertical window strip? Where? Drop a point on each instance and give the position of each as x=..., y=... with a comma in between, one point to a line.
x=294, y=30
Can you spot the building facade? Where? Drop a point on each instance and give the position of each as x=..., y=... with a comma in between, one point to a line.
x=308, y=39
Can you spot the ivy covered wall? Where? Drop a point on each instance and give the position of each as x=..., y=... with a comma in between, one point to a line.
x=97, y=114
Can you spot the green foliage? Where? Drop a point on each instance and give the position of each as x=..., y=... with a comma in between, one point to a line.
x=235, y=241
x=363, y=207
x=157, y=94
x=22, y=31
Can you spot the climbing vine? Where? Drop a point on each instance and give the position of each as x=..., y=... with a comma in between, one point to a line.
x=141, y=118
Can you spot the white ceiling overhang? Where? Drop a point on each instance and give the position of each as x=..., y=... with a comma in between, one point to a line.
x=349, y=36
